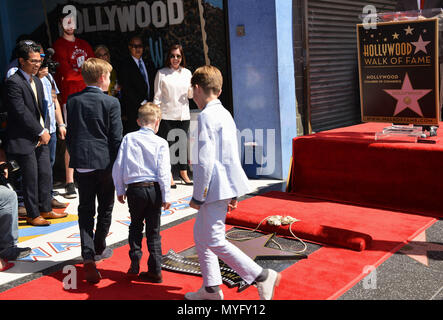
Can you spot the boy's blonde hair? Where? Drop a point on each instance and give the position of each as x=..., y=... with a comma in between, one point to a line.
x=93, y=69
x=209, y=78
x=149, y=113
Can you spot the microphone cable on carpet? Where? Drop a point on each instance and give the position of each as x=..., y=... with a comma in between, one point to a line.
x=275, y=220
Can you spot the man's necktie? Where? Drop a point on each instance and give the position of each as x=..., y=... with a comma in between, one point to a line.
x=422, y=4
x=34, y=89
x=145, y=76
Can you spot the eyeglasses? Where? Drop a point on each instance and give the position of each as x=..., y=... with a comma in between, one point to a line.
x=102, y=55
x=35, y=61
x=173, y=56
x=136, y=46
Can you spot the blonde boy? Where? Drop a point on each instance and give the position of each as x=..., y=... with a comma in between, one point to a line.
x=93, y=138
x=218, y=180
x=142, y=175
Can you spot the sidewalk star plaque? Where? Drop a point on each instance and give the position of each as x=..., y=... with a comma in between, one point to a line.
x=398, y=65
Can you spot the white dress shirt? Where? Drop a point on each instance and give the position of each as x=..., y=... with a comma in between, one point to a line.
x=171, y=89
x=143, y=157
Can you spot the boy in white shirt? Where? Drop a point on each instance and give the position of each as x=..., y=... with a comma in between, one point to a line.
x=218, y=180
x=143, y=166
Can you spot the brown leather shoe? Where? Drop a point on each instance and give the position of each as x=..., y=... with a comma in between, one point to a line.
x=38, y=222
x=53, y=215
x=57, y=204
x=91, y=273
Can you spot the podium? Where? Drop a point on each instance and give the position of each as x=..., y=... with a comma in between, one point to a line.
x=398, y=60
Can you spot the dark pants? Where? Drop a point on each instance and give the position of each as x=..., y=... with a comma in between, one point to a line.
x=94, y=184
x=52, y=153
x=145, y=206
x=36, y=173
x=179, y=143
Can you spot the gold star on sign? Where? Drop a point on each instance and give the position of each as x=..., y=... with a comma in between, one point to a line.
x=409, y=30
x=395, y=35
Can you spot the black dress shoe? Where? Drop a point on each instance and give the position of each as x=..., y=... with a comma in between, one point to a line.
x=190, y=183
x=134, y=269
x=151, y=277
x=15, y=253
x=106, y=254
x=91, y=273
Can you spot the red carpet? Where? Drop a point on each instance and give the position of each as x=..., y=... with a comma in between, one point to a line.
x=252, y=211
x=326, y=274
x=348, y=165
x=376, y=197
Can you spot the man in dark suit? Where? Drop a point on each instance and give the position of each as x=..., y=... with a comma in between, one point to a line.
x=93, y=140
x=136, y=78
x=407, y=5
x=28, y=134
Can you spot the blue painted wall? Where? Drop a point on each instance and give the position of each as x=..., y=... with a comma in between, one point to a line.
x=17, y=18
x=263, y=74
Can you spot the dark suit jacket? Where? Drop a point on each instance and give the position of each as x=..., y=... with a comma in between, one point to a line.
x=95, y=129
x=134, y=88
x=407, y=5
x=24, y=126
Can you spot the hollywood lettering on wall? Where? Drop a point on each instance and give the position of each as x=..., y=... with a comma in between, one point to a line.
x=399, y=79
x=198, y=25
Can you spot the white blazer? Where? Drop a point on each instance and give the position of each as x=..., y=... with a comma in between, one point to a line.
x=218, y=173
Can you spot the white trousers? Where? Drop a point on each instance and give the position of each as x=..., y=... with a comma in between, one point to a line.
x=211, y=244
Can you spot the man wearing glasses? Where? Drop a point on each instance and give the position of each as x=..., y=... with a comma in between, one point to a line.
x=28, y=134
x=136, y=78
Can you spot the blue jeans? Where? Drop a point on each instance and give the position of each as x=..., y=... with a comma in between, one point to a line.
x=52, y=147
x=8, y=218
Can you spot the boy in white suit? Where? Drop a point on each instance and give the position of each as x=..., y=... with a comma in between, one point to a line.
x=218, y=180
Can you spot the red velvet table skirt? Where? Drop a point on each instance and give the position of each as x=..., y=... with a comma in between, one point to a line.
x=349, y=165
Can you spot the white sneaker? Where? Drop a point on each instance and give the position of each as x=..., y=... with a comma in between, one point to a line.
x=202, y=294
x=266, y=288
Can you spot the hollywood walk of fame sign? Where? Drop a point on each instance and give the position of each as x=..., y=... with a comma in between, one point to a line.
x=254, y=248
x=399, y=79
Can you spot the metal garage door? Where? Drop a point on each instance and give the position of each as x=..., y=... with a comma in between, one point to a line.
x=331, y=57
